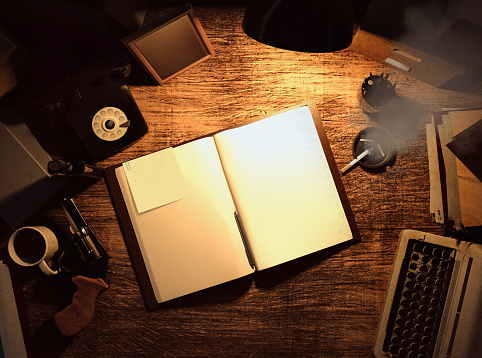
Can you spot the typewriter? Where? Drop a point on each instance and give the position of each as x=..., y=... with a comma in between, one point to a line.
x=433, y=303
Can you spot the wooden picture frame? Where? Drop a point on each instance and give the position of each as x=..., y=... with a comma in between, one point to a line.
x=171, y=45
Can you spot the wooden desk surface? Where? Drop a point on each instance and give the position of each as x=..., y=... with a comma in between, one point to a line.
x=325, y=305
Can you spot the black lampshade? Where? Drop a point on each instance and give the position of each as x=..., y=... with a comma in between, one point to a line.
x=300, y=25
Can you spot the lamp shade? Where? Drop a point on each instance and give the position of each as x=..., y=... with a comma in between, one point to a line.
x=300, y=25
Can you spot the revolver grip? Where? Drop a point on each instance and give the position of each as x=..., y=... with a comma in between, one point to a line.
x=78, y=314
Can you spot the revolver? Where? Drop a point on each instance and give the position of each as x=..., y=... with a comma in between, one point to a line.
x=86, y=262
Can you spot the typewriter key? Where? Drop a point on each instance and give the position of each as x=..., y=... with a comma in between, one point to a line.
x=393, y=349
x=418, y=247
x=396, y=340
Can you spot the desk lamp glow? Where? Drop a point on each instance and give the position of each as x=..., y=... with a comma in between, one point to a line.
x=300, y=25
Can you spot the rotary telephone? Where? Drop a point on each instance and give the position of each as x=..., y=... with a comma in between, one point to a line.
x=88, y=116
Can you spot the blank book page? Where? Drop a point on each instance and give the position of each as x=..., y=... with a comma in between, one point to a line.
x=193, y=243
x=282, y=187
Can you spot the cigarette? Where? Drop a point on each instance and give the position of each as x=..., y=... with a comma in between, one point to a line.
x=380, y=149
x=356, y=160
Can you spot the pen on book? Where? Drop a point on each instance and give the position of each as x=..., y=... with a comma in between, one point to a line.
x=356, y=160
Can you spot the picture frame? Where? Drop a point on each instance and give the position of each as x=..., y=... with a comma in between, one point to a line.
x=171, y=45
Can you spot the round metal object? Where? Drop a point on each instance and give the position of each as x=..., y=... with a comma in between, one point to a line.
x=376, y=92
x=382, y=149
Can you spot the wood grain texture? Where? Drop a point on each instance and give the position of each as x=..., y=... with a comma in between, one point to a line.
x=324, y=305
x=422, y=66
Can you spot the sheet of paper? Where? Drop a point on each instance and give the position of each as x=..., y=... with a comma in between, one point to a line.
x=436, y=206
x=453, y=199
x=282, y=187
x=470, y=188
x=467, y=145
x=193, y=243
x=155, y=180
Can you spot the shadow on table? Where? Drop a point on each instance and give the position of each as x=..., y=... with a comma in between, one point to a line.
x=264, y=279
x=273, y=276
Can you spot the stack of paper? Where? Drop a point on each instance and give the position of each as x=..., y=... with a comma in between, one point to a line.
x=455, y=192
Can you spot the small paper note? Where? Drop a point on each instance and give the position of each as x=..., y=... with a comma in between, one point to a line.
x=155, y=180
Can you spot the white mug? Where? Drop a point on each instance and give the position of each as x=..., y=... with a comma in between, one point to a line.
x=33, y=245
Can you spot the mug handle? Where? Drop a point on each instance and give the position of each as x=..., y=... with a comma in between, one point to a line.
x=46, y=269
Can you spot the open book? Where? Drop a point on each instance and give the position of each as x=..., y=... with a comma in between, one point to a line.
x=221, y=207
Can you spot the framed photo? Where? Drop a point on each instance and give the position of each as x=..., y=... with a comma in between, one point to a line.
x=171, y=45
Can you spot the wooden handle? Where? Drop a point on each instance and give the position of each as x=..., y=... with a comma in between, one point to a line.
x=78, y=314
